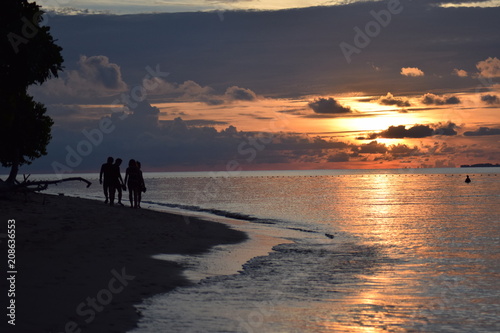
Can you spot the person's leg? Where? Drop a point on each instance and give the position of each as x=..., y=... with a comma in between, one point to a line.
x=105, y=187
x=119, y=189
x=130, y=196
x=112, y=190
x=136, y=197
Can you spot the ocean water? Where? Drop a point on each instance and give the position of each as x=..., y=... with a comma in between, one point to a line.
x=334, y=251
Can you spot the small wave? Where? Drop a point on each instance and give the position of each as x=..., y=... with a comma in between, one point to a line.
x=236, y=216
x=218, y=212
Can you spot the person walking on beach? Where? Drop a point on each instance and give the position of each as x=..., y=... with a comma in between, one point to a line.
x=116, y=182
x=133, y=181
x=467, y=179
x=106, y=170
x=142, y=187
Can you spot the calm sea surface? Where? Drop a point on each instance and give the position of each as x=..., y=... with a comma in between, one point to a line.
x=354, y=251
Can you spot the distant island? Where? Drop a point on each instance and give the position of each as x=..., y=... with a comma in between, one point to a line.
x=480, y=165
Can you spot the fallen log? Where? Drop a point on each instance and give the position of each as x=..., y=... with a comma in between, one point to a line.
x=36, y=186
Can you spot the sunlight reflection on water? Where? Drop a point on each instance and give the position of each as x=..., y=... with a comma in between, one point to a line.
x=412, y=252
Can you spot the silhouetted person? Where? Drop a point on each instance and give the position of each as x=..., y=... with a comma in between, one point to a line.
x=143, y=185
x=133, y=181
x=116, y=183
x=106, y=170
x=467, y=179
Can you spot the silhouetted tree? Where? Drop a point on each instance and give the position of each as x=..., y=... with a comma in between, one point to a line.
x=28, y=55
x=25, y=132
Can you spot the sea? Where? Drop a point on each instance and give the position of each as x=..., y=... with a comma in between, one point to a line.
x=401, y=250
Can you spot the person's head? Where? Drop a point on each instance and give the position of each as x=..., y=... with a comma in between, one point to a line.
x=132, y=163
x=110, y=160
x=138, y=164
x=118, y=161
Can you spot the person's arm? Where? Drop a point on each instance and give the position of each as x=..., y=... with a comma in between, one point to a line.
x=126, y=176
x=142, y=179
x=120, y=177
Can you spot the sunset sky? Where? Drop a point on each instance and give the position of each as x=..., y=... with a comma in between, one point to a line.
x=378, y=84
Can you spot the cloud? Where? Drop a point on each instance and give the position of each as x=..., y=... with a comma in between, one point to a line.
x=482, y=131
x=94, y=77
x=448, y=129
x=389, y=99
x=339, y=157
x=188, y=90
x=398, y=132
x=402, y=150
x=372, y=148
x=489, y=68
x=490, y=99
x=135, y=41
x=236, y=93
x=416, y=131
x=192, y=91
x=98, y=69
x=411, y=71
x=431, y=99
x=266, y=65
x=328, y=106
x=460, y=72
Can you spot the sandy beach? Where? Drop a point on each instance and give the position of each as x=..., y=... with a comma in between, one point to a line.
x=82, y=265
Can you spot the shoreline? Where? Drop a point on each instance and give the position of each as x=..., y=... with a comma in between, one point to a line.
x=83, y=265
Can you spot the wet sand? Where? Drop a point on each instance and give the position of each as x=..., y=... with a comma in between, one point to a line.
x=82, y=265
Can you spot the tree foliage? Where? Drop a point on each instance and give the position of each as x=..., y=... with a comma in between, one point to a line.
x=28, y=55
x=25, y=130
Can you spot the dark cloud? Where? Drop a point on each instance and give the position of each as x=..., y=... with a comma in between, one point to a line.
x=431, y=99
x=192, y=91
x=328, y=106
x=186, y=91
x=372, y=148
x=490, y=99
x=447, y=129
x=95, y=77
x=339, y=157
x=137, y=133
x=402, y=150
x=145, y=109
x=61, y=110
x=416, y=131
x=399, y=132
x=236, y=93
x=204, y=122
x=98, y=69
x=389, y=99
x=482, y=131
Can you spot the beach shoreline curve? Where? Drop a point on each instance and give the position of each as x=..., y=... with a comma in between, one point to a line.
x=83, y=265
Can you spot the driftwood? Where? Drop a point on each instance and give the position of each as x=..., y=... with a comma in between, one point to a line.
x=36, y=186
